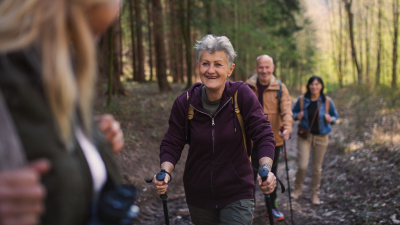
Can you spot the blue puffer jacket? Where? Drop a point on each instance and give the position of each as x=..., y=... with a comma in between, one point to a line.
x=324, y=128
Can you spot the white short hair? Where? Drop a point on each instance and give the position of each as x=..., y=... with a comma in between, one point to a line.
x=269, y=57
x=212, y=44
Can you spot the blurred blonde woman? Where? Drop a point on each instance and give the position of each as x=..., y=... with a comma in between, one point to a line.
x=47, y=77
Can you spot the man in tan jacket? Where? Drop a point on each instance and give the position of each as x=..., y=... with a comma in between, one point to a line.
x=275, y=100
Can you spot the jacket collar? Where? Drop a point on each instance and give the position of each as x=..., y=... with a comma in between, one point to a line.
x=195, y=93
x=307, y=100
x=273, y=82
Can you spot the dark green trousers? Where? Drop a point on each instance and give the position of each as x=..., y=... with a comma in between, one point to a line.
x=237, y=213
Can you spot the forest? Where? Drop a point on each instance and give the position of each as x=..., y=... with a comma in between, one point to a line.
x=344, y=41
x=146, y=59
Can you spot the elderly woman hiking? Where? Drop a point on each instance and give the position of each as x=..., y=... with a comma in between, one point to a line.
x=316, y=113
x=218, y=177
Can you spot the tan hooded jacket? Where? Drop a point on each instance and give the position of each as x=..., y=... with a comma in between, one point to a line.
x=277, y=115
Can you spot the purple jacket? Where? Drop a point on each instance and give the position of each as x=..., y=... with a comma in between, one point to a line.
x=218, y=170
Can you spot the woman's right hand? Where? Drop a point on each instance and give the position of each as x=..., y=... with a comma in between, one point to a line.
x=161, y=185
x=300, y=115
x=22, y=195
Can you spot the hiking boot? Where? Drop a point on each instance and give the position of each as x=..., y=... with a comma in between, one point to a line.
x=278, y=216
x=315, y=199
x=296, y=193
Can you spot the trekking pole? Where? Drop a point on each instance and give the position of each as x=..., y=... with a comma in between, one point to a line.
x=160, y=176
x=282, y=129
x=263, y=172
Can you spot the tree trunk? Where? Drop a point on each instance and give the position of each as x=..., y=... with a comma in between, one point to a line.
x=378, y=57
x=340, y=47
x=110, y=65
x=236, y=73
x=132, y=24
x=149, y=28
x=186, y=33
x=336, y=61
x=138, y=14
x=181, y=57
x=118, y=89
x=395, y=37
x=174, y=39
x=351, y=34
x=208, y=13
x=161, y=60
x=367, y=46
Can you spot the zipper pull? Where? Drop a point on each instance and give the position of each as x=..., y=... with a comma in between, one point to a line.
x=213, y=124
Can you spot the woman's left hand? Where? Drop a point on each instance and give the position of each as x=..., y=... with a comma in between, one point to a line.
x=111, y=129
x=328, y=118
x=269, y=185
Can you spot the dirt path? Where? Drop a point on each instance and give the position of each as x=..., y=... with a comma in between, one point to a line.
x=144, y=119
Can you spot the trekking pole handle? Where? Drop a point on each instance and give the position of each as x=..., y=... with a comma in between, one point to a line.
x=281, y=129
x=160, y=177
x=263, y=172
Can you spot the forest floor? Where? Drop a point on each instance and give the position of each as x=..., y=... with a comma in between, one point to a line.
x=360, y=179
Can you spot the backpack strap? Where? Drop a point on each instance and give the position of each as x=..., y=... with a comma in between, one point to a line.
x=301, y=106
x=190, y=108
x=327, y=104
x=279, y=94
x=301, y=103
x=240, y=118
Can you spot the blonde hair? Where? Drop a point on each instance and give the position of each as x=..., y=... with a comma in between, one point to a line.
x=61, y=30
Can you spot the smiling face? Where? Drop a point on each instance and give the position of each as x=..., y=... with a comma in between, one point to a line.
x=214, y=69
x=315, y=87
x=264, y=68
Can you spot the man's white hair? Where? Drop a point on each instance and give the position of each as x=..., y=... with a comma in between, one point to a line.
x=268, y=57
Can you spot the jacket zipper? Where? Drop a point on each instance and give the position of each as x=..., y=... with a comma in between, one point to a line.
x=213, y=140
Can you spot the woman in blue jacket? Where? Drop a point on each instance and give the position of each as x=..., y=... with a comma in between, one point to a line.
x=316, y=113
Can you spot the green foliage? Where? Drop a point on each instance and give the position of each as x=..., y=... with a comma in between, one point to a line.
x=261, y=27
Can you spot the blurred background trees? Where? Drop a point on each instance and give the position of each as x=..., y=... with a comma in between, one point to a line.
x=347, y=42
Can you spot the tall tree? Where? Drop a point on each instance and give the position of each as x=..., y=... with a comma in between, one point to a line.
x=161, y=57
x=367, y=44
x=133, y=45
x=118, y=89
x=350, y=15
x=174, y=59
x=149, y=28
x=340, y=46
x=110, y=65
x=208, y=17
x=379, y=53
x=139, y=33
x=186, y=33
x=395, y=39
